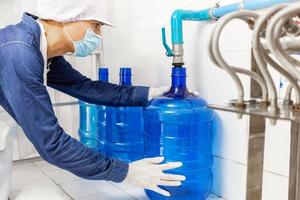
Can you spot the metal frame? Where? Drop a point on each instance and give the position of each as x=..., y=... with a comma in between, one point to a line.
x=258, y=115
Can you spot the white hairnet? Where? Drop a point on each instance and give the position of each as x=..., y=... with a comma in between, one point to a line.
x=70, y=10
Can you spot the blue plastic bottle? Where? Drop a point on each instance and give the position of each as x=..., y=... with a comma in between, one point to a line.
x=102, y=113
x=178, y=126
x=88, y=133
x=122, y=129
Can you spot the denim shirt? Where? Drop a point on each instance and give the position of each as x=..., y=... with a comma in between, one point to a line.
x=24, y=96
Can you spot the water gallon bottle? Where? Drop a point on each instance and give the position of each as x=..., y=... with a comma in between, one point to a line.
x=88, y=119
x=178, y=126
x=124, y=128
x=103, y=112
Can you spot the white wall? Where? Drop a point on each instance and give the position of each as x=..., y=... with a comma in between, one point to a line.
x=136, y=42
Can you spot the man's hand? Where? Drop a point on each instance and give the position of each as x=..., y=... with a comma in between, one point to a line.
x=149, y=174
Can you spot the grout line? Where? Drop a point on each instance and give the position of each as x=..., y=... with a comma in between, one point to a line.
x=53, y=181
x=30, y=160
x=274, y=173
x=104, y=194
x=128, y=193
x=236, y=162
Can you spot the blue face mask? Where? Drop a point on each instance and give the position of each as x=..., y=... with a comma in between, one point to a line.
x=87, y=45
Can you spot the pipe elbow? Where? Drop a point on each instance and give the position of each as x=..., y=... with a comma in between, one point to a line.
x=177, y=18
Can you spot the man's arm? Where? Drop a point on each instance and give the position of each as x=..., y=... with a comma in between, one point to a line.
x=30, y=102
x=64, y=78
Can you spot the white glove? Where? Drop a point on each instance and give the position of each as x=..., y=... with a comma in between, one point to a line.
x=156, y=92
x=148, y=173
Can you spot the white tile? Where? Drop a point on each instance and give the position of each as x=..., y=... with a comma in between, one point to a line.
x=26, y=181
x=231, y=40
x=123, y=185
x=45, y=166
x=61, y=176
x=137, y=193
x=117, y=195
x=24, y=168
x=229, y=179
x=275, y=187
x=50, y=192
x=84, y=188
x=214, y=197
x=26, y=148
x=231, y=137
x=277, y=148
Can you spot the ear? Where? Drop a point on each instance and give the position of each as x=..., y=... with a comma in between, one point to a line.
x=76, y=30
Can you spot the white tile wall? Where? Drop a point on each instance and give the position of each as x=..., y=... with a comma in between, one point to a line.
x=277, y=146
x=275, y=187
x=229, y=179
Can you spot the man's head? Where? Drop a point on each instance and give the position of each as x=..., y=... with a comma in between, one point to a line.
x=70, y=10
x=84, y=36
x=78, y=29
x=81, y=21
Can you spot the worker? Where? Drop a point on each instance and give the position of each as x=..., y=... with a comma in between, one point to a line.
x=31, y=55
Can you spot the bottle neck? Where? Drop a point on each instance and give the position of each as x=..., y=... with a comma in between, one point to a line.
x=178, y=89
x=103, y=75
x=125, y=76
x=125, y=80
x=178, y=82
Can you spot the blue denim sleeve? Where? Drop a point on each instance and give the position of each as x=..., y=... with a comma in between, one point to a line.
x=64, y=78
x=22, y=85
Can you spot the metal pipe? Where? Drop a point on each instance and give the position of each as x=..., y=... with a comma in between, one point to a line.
x=280, y=70
x=217, y=53
x=275, y=24
x=252, y=74
x=288, y=94
x=179, y=16
x=295, y=62
x=257, y=47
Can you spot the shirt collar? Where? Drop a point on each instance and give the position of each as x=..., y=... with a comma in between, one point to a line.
x=30, y=21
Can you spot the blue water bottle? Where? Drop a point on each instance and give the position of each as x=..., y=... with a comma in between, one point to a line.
x=123, y=128
x=88, y=131
x=102, y=114
x=178, y=126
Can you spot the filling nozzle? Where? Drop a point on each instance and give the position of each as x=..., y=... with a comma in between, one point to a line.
x=178, y=53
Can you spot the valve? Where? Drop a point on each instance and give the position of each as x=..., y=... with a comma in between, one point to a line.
x=169, y=52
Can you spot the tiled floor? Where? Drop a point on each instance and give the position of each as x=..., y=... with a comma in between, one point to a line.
x=36, y=180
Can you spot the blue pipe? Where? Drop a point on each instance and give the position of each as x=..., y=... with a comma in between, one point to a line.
x=204, y=15
x=189, y=15
x=248, y=5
